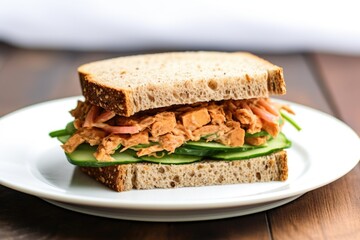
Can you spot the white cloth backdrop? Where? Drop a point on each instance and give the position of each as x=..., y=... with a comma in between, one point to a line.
x=270, y=26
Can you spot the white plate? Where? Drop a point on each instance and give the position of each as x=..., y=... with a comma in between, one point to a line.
x=31, y=162
x=173, y=215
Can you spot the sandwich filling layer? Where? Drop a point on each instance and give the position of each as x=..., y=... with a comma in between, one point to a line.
x=232, y=123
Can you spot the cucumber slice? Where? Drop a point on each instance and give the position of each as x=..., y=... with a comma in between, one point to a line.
x=196, y=151
x=58, y=133
x=63, y=139
x=140, y=146
x=83, y=156
x=219, y=146
x=172, y=159
x=276, y=144
x=69, y=130
x=258, y=134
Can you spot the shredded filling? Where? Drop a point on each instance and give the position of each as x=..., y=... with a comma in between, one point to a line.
x=230, y=122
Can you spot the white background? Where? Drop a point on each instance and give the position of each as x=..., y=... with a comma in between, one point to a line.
x=268, y=26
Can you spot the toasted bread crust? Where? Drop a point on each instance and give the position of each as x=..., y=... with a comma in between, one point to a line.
x=117, y=177
x=120, y=178
x=106, y=97
x=275, y=86
x=128, y=85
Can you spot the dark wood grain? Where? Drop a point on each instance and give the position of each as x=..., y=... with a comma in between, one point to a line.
x=341, y=77
x=301, y=83
x=29, y=217
x=331, y=212
x=28, y=77
x=69, y=84
x=4, y=51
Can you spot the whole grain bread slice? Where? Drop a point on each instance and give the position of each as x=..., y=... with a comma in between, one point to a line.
x=127, y=85
x=125, y=177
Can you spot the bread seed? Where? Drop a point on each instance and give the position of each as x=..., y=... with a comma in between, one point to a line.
x=176, y=179
x=258, y=176
x=212, y=84
x=161, y=170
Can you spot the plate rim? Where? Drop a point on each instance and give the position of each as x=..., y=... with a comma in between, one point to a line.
x=185, y=217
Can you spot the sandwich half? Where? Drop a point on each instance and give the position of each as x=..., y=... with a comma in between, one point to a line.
x=180, y=119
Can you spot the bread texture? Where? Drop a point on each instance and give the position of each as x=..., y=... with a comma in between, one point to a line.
x=126, y=177
x=128, y=85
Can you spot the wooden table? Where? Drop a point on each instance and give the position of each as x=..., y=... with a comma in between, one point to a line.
x=330, y=83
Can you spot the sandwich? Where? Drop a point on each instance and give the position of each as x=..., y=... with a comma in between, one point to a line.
x=179, y=119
